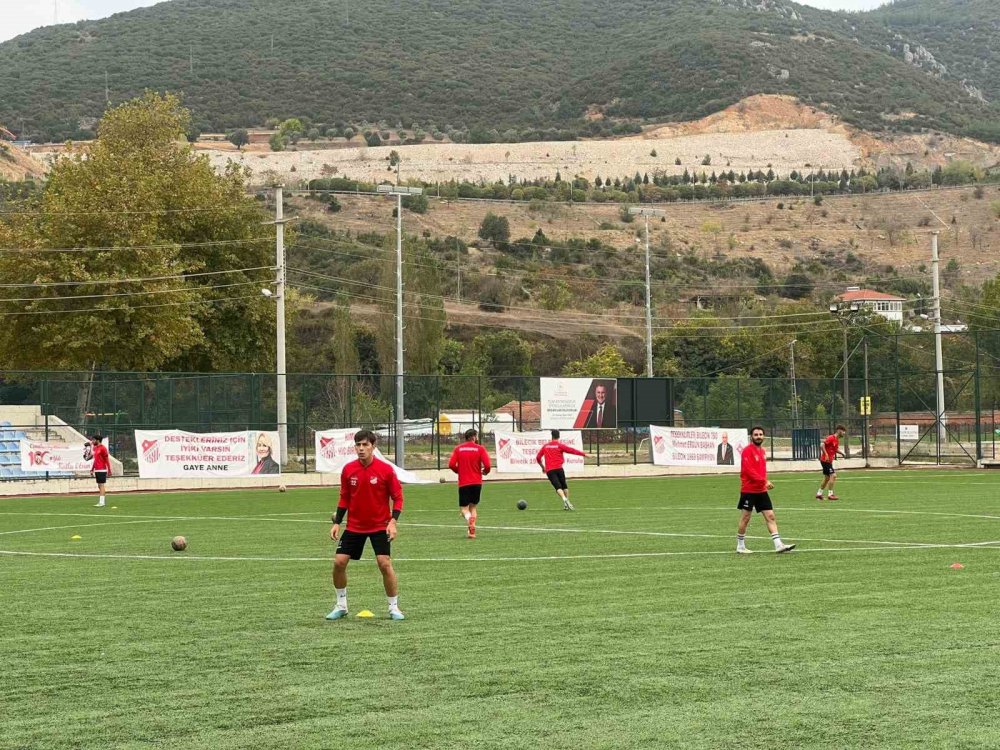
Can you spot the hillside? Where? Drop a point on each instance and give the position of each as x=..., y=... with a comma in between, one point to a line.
x=484, y=70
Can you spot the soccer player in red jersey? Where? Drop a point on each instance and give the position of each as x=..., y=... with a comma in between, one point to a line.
x=471, y=462
x=553, y=452
x=367, y=486
x=101, y=469
x=827, y=454
x=753, y=494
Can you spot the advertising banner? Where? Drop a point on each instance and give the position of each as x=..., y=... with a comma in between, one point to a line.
x=49, y=456
x=516, y=451
x=697, y=446
x=165, y=454
x=335, y=448
x=579, y=403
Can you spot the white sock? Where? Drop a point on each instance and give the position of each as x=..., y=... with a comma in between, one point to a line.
x=342, y=598
x=819, y=491
x=101, y=501
x=467, y=514
x=741, y=541
x=393, y=602
x=777, y=540
x=829, y=492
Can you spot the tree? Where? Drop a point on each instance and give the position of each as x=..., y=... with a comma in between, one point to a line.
x=276, y=142
x=495, y=229
x=140, y=192
x=606, y=362
x=291, y=130
x=239, y=138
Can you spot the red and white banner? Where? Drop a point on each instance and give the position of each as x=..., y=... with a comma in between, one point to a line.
x=165, y=454
x=335, y=449
x=697, y=446
x=579, y=403
x=516, y=451
x=47, y=456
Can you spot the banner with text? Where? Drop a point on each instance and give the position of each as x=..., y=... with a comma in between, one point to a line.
x=697, y=446
x=335, y=448
x=579, y=403
x=166, y=454
x=48, y=456
x=516, y=451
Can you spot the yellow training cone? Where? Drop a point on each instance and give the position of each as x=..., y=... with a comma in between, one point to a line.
x=75, y=538
x=365, y=613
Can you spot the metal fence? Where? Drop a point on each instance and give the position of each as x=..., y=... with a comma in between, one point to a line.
x=115, y=404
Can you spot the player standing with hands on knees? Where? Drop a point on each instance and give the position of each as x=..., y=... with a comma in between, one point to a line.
x=553, y=452
x=367, y=487
x=827, y=455
x=471, y=462
x=753, y=494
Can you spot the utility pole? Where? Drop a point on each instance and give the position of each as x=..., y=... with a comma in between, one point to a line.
x=795, y=395
x=864, y=442
x=399, y=191
x=844, y=314
x=646, y=213
x=942, y=417
x=107, y=89
x=282, y=393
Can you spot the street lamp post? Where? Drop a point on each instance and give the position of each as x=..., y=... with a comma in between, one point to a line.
x=399, y=191
x=845, y=313
x=646, y=213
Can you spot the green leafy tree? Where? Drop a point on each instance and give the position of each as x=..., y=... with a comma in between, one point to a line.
x=239, y=138
x=495, y=229
x=291, y=130
x=139, y=304
x=606, y=362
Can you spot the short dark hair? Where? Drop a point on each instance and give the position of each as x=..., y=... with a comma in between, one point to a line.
x=97, y=436
x=362, y=435
x=470, y=433
x=840, y=427
x=555, y=434
x=754, y=429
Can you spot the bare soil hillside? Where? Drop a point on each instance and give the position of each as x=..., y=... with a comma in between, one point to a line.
x=16, y=165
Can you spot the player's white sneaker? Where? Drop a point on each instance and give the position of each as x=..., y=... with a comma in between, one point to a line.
x=395, y=614
x=785, y=548
x=567, y=505
x=99, y=505
x=743, y=551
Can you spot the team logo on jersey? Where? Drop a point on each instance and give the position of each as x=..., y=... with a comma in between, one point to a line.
x=373, y=480
x=150, y=451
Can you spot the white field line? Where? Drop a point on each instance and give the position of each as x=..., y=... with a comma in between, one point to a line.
x=541, y=558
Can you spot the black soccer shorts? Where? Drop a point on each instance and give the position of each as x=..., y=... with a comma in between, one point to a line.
x=758, y=501
x=101, y=477
x=469, y=495
x=353, y=543
x=828, y=470
x=558, y=479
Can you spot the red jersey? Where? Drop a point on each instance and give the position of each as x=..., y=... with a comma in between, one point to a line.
x=102, y=461
x=365, y=491
x=829, y=450
x=470, y=461
x=753, y=469
x=553, y=453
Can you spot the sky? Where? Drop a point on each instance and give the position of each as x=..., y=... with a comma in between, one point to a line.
x=20, y=16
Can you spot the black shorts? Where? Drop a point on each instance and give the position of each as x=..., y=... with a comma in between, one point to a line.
x=758, y=501
x=101, y=477
x=558, y=479
x=469, y=495
x=828, y=470
x=353, y=543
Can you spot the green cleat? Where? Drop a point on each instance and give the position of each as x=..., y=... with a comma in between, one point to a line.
x=336, y=613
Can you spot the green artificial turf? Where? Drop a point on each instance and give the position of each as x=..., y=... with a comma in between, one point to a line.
x=629, y=623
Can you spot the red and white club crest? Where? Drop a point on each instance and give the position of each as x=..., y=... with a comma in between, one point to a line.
x=328, y=447
x=659, y=444
x=150, y=451
x=506, y=449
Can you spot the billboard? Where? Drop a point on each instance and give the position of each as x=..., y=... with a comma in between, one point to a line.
x=516, y=451
x=165, y=454
x=37, y=455
x=697, y=446
x=579, y=403
x=335, y=449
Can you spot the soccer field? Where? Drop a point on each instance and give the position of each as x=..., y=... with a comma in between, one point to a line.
x=629, y=623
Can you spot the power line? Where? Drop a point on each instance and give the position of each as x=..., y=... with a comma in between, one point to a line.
x=131, y=307
x=172, y=246
x=129, y=294
x=99, y=282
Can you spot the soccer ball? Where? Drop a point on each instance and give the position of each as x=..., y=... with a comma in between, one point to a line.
x=522, y=504
x=282, y=488
x=178, y=544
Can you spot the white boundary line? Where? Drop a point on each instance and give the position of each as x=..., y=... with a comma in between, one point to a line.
x=545, y=558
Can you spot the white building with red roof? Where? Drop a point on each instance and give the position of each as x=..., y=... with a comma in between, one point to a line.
x=888, y=306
